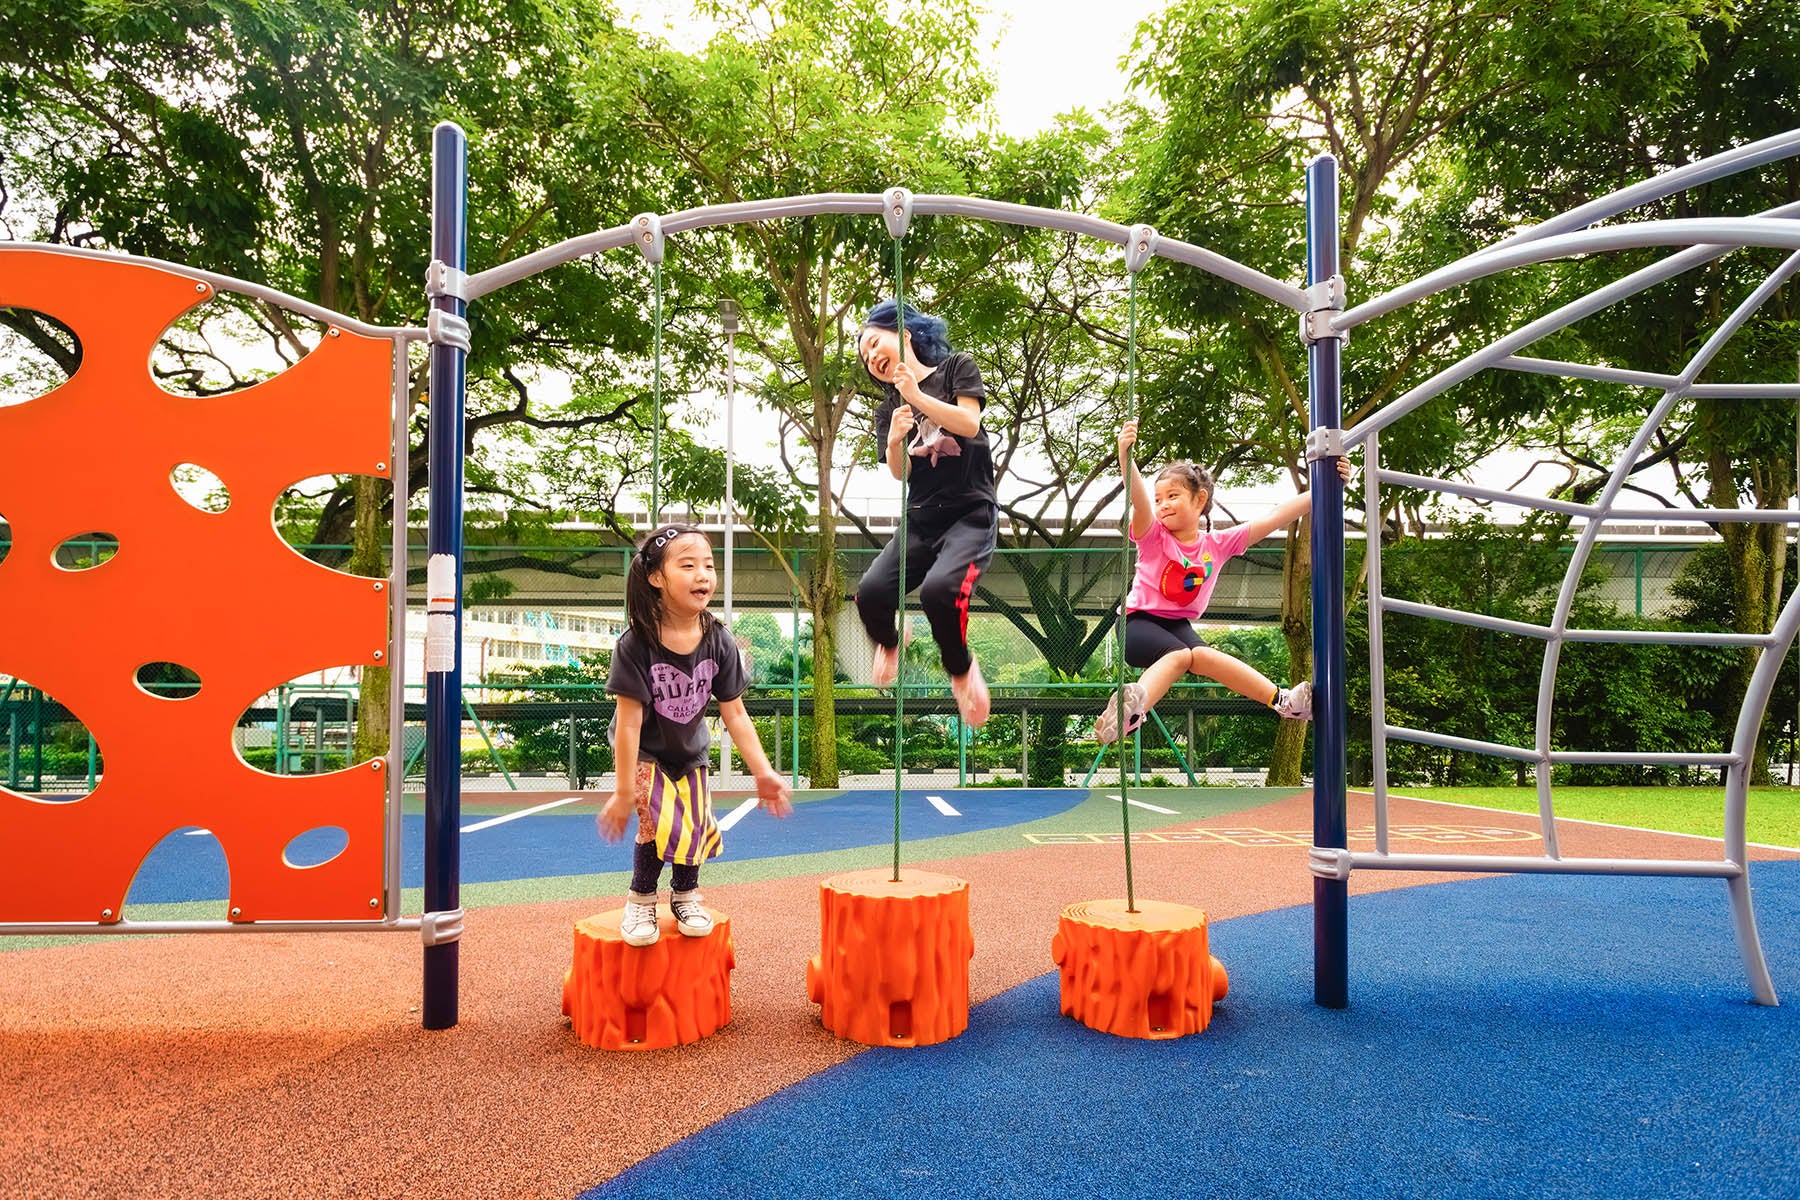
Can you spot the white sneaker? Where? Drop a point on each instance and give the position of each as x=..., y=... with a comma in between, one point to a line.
x=692, y=919
x=1131, y=697
x=639, y=926
x=1295, y=703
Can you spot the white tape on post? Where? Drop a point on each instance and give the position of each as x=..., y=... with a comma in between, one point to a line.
x=440, y=613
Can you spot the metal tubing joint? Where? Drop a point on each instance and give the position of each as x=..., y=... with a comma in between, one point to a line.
x=439, y=928
x=443, y=328
x=442, y=279
x=1327, y=862
x=1324, y=443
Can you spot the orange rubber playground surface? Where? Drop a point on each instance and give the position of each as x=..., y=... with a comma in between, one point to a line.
x=284, y=1065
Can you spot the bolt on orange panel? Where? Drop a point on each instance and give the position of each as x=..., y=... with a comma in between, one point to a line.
x=219, y=593
x=893, y=967
x=672, y=992
x=1143, y=974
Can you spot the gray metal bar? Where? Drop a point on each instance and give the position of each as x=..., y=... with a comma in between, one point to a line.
x=1560, y=318
x=1746, y=391
x=1571, y=370
x=225, y=283
x=1743, y=516
x=1496, y=749
x=1526, y=334
x=851, y=203
x=1737, y=786
x=1662, y=637
x=1532, y=865
x=1457, y=616
x=1632, y=757
x=1457, y=487
x=1667, y=183
x=401, y=451
x=1372, y=476
x=55, y=929
x=1716, y=232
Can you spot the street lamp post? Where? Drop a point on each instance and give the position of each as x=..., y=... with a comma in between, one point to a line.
x=728, y=325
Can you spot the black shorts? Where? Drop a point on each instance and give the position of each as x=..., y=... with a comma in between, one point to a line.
x=1149, y=637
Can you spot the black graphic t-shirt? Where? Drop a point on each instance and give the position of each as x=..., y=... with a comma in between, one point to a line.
x=950, y=474
x=674, y=689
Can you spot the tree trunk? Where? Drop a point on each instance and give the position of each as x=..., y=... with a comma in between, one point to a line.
x=825, y=596
x=1296, y=630
x=372, y=708
x=1758, y=557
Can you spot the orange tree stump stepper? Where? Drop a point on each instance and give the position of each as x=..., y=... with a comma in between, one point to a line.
x=893, y=964
x=1144, y=974
x=621, y=997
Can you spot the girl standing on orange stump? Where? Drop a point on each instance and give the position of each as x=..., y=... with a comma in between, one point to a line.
x=1177, y=568
x=674, y=657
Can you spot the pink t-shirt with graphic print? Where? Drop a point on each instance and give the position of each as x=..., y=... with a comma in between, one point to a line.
x=1174, y=580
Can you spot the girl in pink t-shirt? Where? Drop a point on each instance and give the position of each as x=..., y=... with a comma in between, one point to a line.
x=1177, y=568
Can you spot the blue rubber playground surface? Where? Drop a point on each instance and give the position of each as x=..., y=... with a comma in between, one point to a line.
x=525, y=844
x=1502, y=1041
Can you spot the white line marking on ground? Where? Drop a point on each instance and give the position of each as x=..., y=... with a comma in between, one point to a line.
x=478, y=826
x=737, y=814
x=943, y=806
x=199, y=833
x=1152, y=807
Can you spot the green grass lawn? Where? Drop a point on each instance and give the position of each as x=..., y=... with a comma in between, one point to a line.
x=1772, y=817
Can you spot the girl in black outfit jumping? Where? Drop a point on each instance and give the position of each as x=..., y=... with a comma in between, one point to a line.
x=929, y=423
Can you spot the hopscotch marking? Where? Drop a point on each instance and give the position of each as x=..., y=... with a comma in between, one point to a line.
x=1152, y=807
x=943, y=806
x=478, y=826
x=737, y=814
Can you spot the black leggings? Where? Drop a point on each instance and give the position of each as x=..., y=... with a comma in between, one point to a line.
x=945, y=566
x=646, y=872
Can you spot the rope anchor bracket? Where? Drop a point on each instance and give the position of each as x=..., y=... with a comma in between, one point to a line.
x=1140, y=248
x=897, y=211
x=647, y=236
x=1326, y=297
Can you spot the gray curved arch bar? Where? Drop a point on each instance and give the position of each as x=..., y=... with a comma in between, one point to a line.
x=871, y=204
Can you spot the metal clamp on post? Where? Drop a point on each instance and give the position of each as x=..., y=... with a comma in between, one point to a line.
x=896, y=210
x=441, y=279
x=647, y=235
x=437, y=928
x=1326, y=297
x=1140, y=248
x=1324, y=443
x=1328, y=863
x=447, y=329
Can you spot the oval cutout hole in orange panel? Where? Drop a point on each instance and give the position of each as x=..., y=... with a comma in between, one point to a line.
x=169, y=681
x=200, y=488
x=85, y=551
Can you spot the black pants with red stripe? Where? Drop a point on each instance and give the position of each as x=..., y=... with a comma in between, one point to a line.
x=944, y=563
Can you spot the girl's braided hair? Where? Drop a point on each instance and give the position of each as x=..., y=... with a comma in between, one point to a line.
x=1197, y=480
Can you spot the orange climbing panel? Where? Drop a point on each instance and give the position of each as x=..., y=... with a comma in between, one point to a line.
x=893, y=967
x=1143, y=974
x=219, y=593
x=621, y=997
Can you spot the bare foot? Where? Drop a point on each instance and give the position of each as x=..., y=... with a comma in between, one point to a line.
x=971, y=692
x=887, y=666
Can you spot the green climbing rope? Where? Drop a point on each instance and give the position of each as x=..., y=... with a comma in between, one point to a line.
x=656, y=421
x=900, y=652
x=1125, y=560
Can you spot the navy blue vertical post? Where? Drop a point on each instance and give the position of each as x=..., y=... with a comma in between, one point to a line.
x=1331, y=951
x=443, y=689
